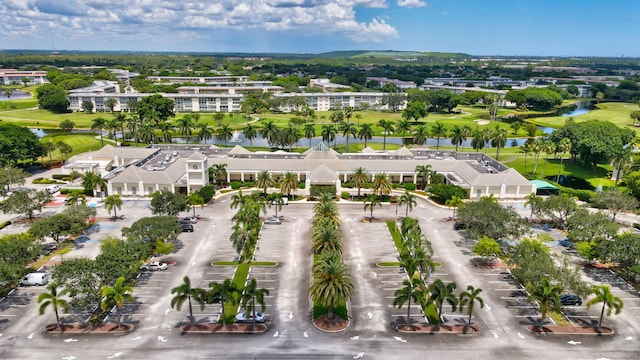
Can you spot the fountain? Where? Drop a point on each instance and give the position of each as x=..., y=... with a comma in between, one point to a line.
x=235, y=138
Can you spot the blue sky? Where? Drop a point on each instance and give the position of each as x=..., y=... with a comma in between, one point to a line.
x=477, y=27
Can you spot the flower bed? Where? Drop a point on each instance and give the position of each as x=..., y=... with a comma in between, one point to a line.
x=77, y=328
x=570, y=330
x=214, y=328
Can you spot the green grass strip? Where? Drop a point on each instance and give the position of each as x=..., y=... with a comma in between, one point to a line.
x=388, y=264
x=263, y=263
x=224, y=263
x=395, y=234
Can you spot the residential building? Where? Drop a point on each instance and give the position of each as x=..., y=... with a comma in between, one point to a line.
x=15, y=77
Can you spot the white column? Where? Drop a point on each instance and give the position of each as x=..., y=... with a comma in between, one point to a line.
x=228, y=177
x=401, y=178
x=242, y=176
x=415, y=178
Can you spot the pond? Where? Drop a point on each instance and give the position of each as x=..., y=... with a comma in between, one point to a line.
x=15, y=95
x=579, y=108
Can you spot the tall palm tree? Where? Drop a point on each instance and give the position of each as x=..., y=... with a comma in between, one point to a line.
x=251, y=295
x=441, y=293
x=133, y=123
x=264, y=181
x=403, y=126
x=250, y=133
x=331, y=285
x=113, y=202
x=370, y=202
x=438, y=131
x=76, y=198
x=537, y=146
x=289, y=136
x=347, y=129
x=360, y=178
x=359, y=117
x=185, y=126
x=224, y=133
x=226, y=291
x=477, y=140
x=336, y=117
x=387, y=128
x=204, y=134
x=185, y=292
x=99, y=124
x=564, y=146
x=218, y=172
x=423, y=171
x=326, y=237
x=456, y=136
x=486, y=136
x=453, y=202
x=237, y=199
x=194, y=199
x=166, y=129
x=120, y=119
x=381, y=184
x=468, y=298
x=276, y=201
x=547, y=295
x=328, y=133
x=409, y=200
x=603, y=295
x=269, y=132
x=116, y=296
x=326, y=210
x=622, y=157
x=421, y=135
x=54, y=299
x=289, y=183
x=365, y=132
x=146, y=133
x=499, y=139
x=549, y=147
x=412, y=289
x=465, y=133
x=309, y=131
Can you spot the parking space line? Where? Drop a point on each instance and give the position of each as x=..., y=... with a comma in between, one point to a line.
x=583, y=316
x=523, y=306
x=6, y=315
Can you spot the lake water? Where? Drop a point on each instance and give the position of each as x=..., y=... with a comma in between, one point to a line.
x=16, y=95
x=581, y=108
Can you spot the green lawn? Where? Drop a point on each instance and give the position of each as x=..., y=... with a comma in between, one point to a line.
x=79, y=142
x=17, y=104
x=615, y=112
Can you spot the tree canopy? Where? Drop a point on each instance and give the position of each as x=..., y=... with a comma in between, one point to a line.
x=18, y=143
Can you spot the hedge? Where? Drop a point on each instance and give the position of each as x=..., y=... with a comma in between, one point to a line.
x=4, y=224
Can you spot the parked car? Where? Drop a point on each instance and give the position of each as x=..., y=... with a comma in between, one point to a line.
x=48, y=248
x=35, y=278
x=566, y=243
x=153, y=266
x=186, y=227
x=242, y=317
x=217, y=298
x=570, y=299
x=459, y=226
x=272, y=221
x=52, y=189
x=188, y=220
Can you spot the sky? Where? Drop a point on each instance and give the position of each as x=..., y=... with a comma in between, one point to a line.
x=476, y=27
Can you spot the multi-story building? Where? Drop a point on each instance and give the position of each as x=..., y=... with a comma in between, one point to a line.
x=16, y=77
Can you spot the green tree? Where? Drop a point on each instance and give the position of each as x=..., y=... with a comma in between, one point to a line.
x=185, y=126
x=184, y=292
x=264, y=181
x=547, y=295
x=224, y=133
x=328, y=133
x=499, y=140
x=204, y=133
x=487, y=217
x=365, y=132
x=270, y=132
x=67, y=125
x=116, y=296
x=251, y=295
x=309, y=131
x=49, y=147
x=250, y=133
x=477, y=141
x=167, y=203
x=439, y=293
x=381, y=184
x=420, y=135
x=54, y=299
x=564, y=146
x=113, y=202
x=194, y=199
x=289, y=183
x=403, y=126
x=155, y=108
x=409, y=200
x=468, y=298
x=370, y=202
x=347, y=129
x=65, y=149
x=226, y=291
x=457, y=137
x=360, y=178
x=412, y=289
x=99, y=124
x=415, y=111
x=26, y=202
x=166, y=129
x=218, y=173
x=165, y=228
x=438, y=131
x=331, y=285
x=387, y=128
x=486, y=247
x=615, y=201
x=424, y=172
x=609, y=301
x=454, y=202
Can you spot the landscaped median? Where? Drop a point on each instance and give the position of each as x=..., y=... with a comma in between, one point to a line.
x=438, y=329
x=570, y=330
x=77, y=328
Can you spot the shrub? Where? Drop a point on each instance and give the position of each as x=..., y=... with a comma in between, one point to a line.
x=316, y=190
x=409, y=186
x=440, y=193
x=207, y=192
x=4, y=224
x=67, y=191
x=63, y=177
x=301, y=185
x=345, y=195
x=581, y=194
x=235, y=185
x=45, y=181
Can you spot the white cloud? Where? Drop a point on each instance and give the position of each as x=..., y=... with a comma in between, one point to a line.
x=163, y=21
x=412, y=3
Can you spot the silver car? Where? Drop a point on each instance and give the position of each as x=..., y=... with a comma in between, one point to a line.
x=272, y=221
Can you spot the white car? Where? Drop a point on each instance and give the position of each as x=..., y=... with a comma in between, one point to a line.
x=242, y=317
x=153, y=266
x=272, y=221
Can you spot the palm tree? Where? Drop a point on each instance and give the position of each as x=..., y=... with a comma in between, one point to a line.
x=564, y=146
x=237, y=199
x=547, y=295
x=498, y=140
x=403, y=127
x=370, y=202
x=438, y=131
x=289, y=136
x=309, y=131
x=166, y=129
x=326, y=237
x=133, y=122
x=413, y=289
x=486, y=136
x=331, y=285
x=99, y=124
x=387, y=128
x=76, y=198
x=328, y=133
x=224, y=133
x=113, y=202
x=146, y=133
x=381, y=184
x=603, y=295
x=185, y=126
x=453, y=202
x=264, y=181
x=477, y=140
x=120, y=119
x=326, y=210
x=549, y=147
x=336, y=117
x=269, y=132
x=456, y=136
x=421, y=135
x=218, y=171
x=347, y=129
x=116, y=296
x=54, y=299
x=365, y=132
x=250, y=133
x=469, y=298
x=194, y=199
x=441, y=293
x=423, y=171
x=288, y=183
x=227, y=291
x=185, y=292
x=407, y=199
x=622, y=157
x=252, y=294
x=536, y=148
x=204, y=134
x=360, y=178
x=465, y=132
